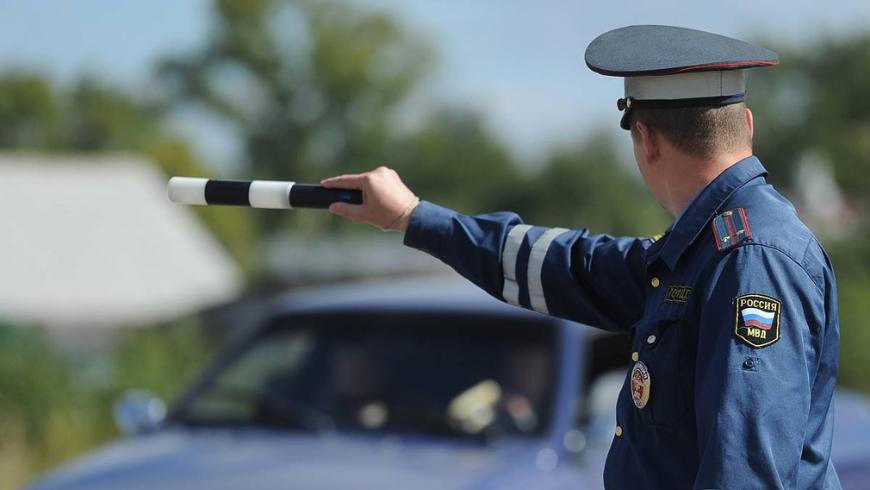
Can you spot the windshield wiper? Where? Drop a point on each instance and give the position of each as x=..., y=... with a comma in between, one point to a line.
x=269, y=408
x=275, y=409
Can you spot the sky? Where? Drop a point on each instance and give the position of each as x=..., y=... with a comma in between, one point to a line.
x=519, y=63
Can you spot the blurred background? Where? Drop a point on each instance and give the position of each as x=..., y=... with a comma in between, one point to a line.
x=480, y=106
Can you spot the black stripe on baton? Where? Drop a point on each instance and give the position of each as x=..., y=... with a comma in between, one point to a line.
x=232, y=192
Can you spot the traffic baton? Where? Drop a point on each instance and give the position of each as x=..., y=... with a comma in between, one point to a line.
x=269, y=194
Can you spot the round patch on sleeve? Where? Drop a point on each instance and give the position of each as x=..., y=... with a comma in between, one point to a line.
x=757, y=319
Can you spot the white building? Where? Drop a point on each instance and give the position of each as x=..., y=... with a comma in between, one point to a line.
x=92, y=241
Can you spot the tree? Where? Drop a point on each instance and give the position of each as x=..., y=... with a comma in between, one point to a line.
x=817, y=99
x=311, y=85
x=453, y=160
x=590, y=186
x=91, y=117
x=818, y=102
x=28, y=112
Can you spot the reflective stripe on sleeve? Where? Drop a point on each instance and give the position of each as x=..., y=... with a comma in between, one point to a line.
x=511, y=290
x=536, y=266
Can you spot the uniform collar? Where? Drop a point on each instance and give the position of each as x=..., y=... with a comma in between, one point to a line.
x=704, y=207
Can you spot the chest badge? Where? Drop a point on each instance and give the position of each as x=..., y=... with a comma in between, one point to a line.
x=678, y=294
x=757, y=320
x=640, y=384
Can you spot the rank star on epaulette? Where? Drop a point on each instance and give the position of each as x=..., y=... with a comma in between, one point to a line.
x=731, y=228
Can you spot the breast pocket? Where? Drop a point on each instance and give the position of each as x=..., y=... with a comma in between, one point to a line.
x=661, y=351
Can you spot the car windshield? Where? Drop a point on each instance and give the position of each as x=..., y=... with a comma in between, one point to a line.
x=460, y=375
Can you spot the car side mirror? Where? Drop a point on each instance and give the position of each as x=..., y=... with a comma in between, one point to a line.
x=138, y=411
x=574, y=441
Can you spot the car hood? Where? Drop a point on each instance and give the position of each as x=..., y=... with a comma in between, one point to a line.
x=230, y=459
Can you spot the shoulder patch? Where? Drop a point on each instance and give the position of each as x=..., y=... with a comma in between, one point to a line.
x=731, y=228
x=756, y=321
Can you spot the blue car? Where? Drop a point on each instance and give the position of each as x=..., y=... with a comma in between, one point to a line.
x=407, y=384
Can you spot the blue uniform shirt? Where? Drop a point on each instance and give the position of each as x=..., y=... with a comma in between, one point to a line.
x=733, y=321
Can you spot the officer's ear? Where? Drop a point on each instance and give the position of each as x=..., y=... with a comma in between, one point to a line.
x=750, y=123
x=646, y=143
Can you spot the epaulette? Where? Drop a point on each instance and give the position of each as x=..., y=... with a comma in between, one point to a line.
x=731, y=228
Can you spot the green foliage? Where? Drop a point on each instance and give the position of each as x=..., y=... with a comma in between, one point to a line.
x=852, y=265
x=93, y=118
x=161, y=359
x=88, y=117
x=590, y=187
x=818, y=101
x=454, y=161
x=53, y=407
x=28, y=112
x=97, y=118
x=312, y=86
x=18, y=398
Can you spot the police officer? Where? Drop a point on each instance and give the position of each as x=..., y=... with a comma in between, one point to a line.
x=732, y=313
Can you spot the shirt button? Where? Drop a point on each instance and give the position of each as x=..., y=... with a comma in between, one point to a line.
x=651, y=339
x=655, y=282
x=634, y=356
x=618, y=431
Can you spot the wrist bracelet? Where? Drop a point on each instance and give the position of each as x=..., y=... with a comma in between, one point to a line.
x=411, y=205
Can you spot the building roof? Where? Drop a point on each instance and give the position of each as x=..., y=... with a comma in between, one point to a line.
x=92, y=241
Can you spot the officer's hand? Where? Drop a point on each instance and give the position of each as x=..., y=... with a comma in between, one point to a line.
x=385, y=198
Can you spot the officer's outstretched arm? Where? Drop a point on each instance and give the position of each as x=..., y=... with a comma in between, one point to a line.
x=761, y=324
x=568, y=273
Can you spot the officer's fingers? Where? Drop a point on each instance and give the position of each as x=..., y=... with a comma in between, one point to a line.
x=350, y=181
x=334, y=178
x=354, y=212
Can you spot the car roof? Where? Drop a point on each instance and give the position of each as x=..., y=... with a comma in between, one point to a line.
x=443, y=294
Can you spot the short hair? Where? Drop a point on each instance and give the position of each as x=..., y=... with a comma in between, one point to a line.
x=702, y=132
